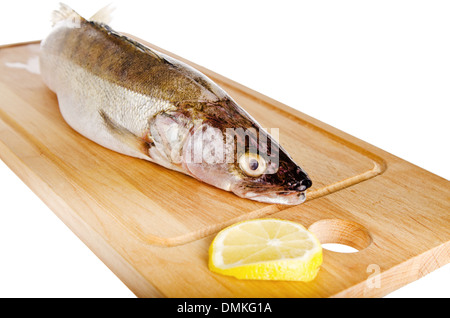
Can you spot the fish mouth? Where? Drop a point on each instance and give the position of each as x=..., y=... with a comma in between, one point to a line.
x=277, y=197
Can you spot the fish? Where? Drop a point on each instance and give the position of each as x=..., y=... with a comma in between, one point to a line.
x=137, y=101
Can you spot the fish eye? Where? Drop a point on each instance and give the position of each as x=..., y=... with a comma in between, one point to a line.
x=252, y=164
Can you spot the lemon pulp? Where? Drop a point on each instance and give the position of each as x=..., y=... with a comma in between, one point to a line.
x=268, y=249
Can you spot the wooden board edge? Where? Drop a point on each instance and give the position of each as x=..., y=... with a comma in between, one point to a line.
x=5, y=46
x=380, y=284
x=83, y=230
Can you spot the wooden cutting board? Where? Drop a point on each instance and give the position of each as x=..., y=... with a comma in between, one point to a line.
x=153, y=226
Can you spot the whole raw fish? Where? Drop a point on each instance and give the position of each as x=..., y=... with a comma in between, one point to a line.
x=142, y=103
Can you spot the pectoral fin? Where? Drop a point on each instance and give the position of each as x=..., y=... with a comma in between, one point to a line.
x=126, y=136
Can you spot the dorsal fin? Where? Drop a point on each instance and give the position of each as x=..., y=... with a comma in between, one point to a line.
x=101, y=19
x=133, y=42
x=104, y=15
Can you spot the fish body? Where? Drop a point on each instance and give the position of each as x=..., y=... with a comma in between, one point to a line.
x=142, y=103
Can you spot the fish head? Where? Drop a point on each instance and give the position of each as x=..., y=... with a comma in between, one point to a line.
x=246, y=161
x=266, y=173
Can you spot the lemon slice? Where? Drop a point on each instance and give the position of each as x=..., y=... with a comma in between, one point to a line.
x=268, y=249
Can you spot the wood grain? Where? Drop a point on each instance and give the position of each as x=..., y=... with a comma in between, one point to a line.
x=153, y=226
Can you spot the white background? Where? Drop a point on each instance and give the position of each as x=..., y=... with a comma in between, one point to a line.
x=379, y=70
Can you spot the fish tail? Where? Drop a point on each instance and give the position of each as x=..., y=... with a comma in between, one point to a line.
x=64, y=13
x=67, y=14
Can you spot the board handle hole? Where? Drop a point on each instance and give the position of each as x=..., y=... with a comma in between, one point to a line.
x=341, y=235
